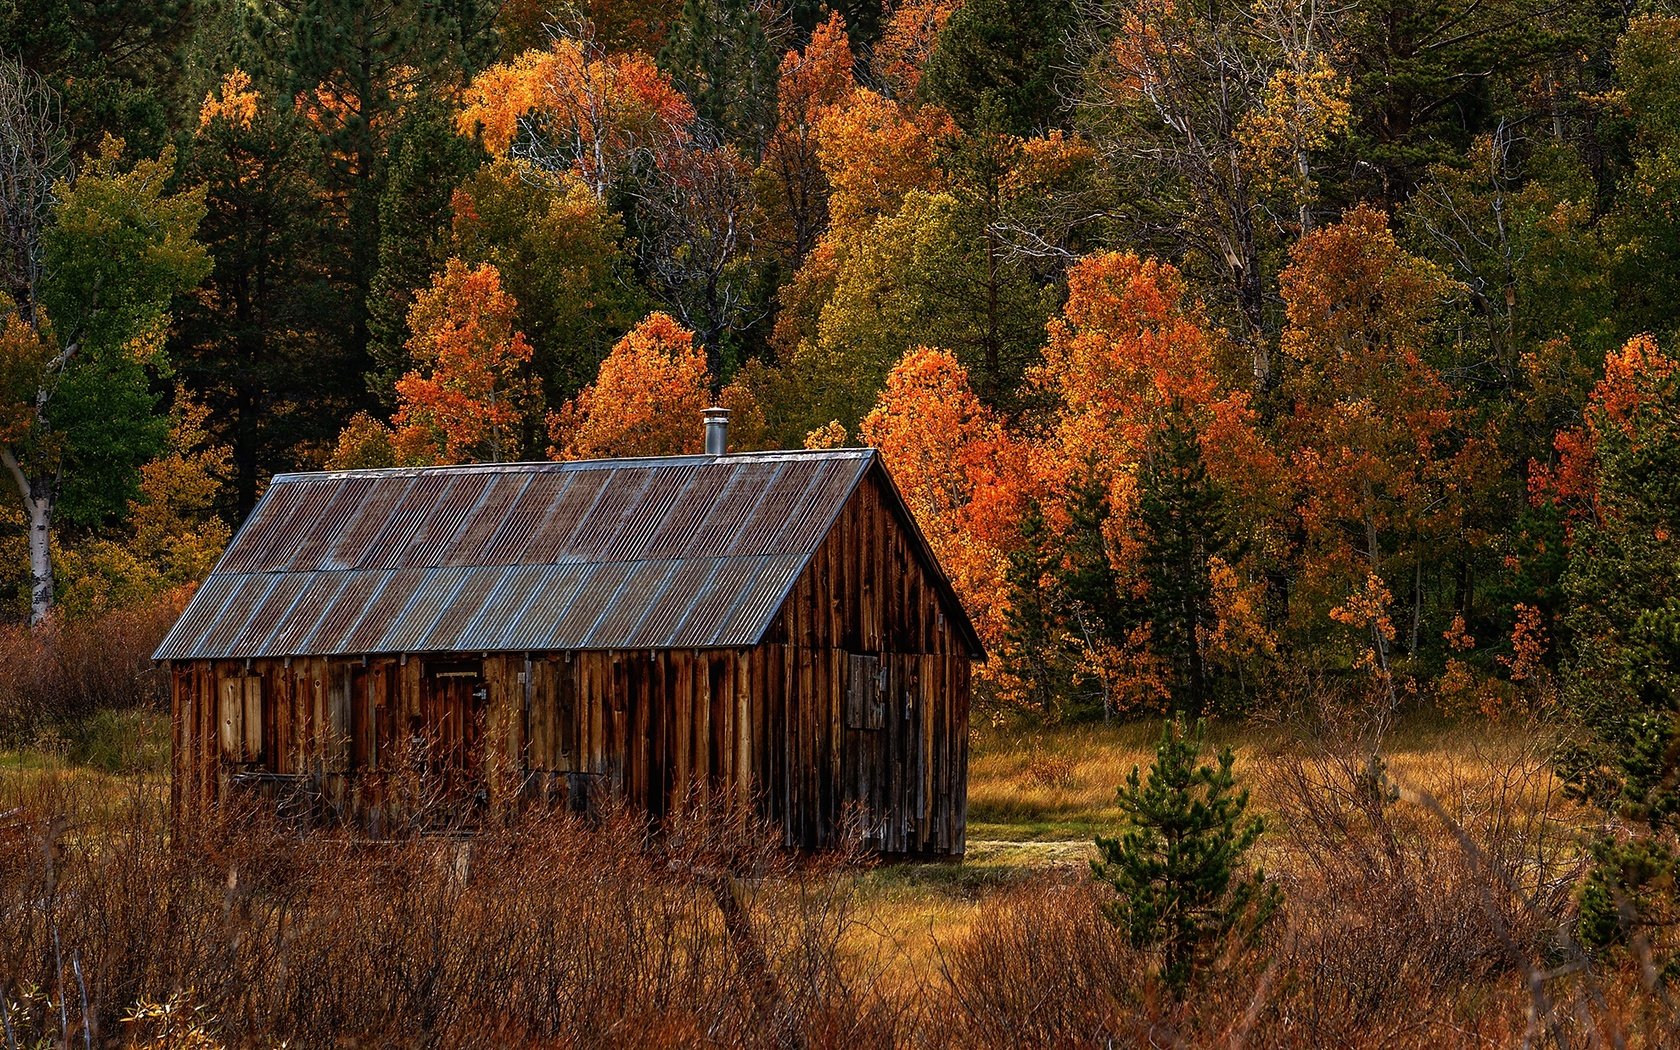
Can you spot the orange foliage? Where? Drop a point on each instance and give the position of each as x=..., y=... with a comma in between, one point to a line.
x=1128, y=346
x=595, y=107
x=1366, y=610
x=830, y=435
x=467, y=399
x=1528, y=645
x=1573, y=480
x=873, y=153
x=1374, y=425
x=907, y=40
x=234, y=102
x=809, y=83
x=647, y=400
x=816, y=78
x=25, y=350
x=964, y=478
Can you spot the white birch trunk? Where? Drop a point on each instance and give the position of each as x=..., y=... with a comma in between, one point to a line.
x=38, y=505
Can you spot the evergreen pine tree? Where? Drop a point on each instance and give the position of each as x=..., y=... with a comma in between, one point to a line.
x=359, y=60
x=427, y=159
x=1177, y=870
x=1003, y=295
x=1034, y=627
x=1001, y=54
x=1087, y=575
x=259, y=346
x=718, y=55
x=1184, y=526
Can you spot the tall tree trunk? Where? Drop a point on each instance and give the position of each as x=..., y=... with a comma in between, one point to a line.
x=38, y=505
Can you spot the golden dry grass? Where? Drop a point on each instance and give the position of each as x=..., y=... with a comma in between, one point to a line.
x=1056, y=785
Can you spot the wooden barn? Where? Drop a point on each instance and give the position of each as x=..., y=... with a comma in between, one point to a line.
x=768, y=625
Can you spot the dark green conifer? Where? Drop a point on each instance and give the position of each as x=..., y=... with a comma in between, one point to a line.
x=1185, y=526
x=1182, y=888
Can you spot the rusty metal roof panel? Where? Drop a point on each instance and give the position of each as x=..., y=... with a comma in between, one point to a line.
x=552, y=594
x=302, y=620
x=197, y=618
x=712, y=606
x=249, y=592
x=689, y=510
x=364, y=524
x=268, y=616
x=492, y=512
x=634, y=602
x=292, y=534
x=252, y=547
x=760, y=602
x=417, y=503
x=765, y=531
x=382, y=609
x=812, y=518
x=329, y=634
x=444, y=629
x=605, y=520
x=517, y=586
x=320, y=528
x=601, y=584
x=643, y=519
x=672, y=552
x=547, y=539
x=437, y=533
x=720, y=533
x=667, y=610
x=426, y=605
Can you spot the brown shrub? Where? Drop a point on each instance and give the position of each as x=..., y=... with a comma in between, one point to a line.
x=66, y=670
x=544, y=932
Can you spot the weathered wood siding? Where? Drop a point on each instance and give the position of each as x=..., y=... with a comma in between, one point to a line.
x=855, y=708
x=898, y=759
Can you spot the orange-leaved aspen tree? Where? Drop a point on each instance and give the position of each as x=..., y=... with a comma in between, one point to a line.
x=1572, y=480
x=1157, y=453
x=579, y=105
x=1129, y=345
x=471, y=396
x=966, y=480
x=907, y=39
x=1382, y=465
x=873, y=151
x=647, y=399
x=793, y=190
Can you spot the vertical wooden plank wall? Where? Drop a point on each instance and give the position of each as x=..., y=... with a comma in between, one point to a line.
x=866, y=592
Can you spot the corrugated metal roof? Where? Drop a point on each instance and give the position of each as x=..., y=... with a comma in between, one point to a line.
x=672, y=552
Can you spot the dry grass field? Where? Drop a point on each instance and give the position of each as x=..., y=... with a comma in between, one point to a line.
x=1427, y=903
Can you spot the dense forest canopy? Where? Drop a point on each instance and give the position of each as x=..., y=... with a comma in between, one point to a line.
x=1211, y=344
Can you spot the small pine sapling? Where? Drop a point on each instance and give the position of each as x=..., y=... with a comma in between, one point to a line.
x=1177, y=871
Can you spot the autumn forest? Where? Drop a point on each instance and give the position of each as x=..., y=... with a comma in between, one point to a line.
x=1238, y=358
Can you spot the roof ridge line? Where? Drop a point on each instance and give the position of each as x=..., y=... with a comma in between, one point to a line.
x=560, y=466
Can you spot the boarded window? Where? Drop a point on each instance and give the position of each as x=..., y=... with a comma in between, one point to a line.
x=240, y=719
x=866, y=692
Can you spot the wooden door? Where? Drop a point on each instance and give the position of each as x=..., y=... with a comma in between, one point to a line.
x=452, y=717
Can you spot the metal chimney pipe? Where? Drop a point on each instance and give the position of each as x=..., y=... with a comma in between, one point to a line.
x=717, y=431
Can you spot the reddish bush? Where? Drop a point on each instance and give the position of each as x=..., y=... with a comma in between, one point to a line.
x=66, y=670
